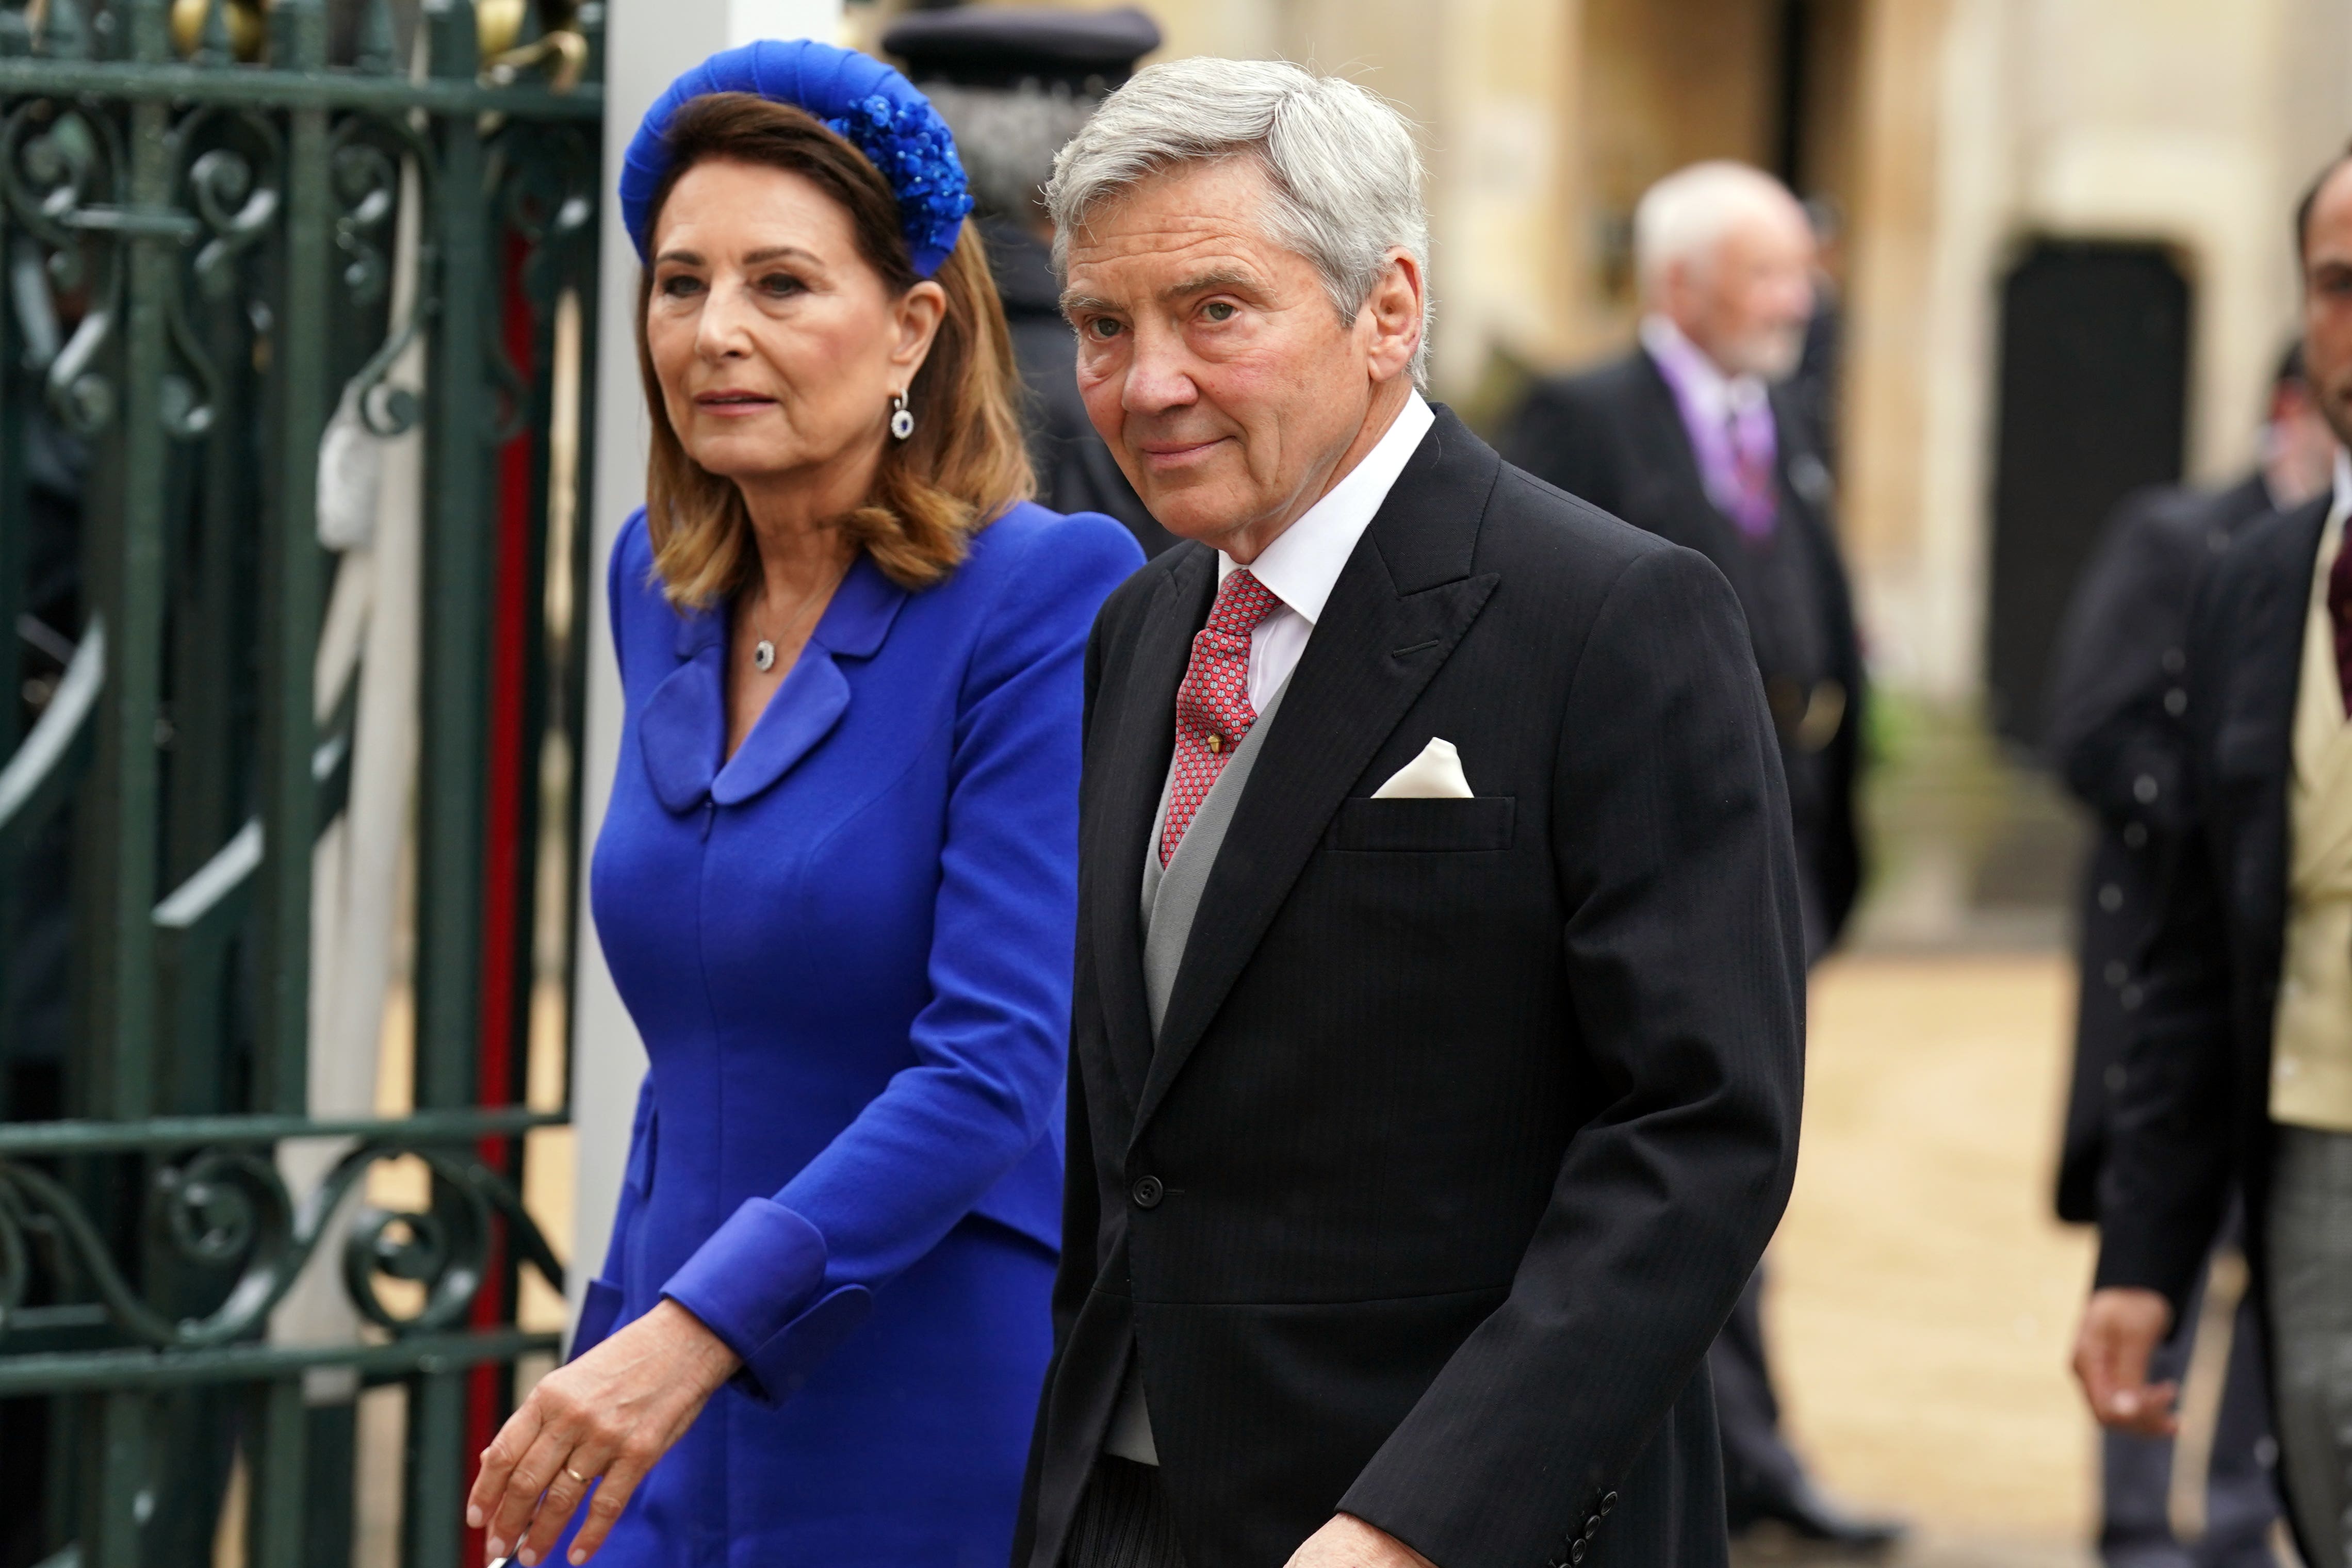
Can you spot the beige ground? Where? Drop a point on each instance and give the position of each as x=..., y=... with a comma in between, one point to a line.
x=1923, y=1296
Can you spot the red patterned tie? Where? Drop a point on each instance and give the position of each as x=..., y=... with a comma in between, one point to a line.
x=1213, y=706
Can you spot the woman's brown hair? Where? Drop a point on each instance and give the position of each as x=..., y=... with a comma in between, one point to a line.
x=965, y=462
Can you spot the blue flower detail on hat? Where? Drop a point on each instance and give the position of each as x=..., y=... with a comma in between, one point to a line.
x=858, y=98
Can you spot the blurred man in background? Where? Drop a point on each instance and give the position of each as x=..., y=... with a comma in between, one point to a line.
x=1014, y=84
x=1692, y=436
x=2117, y=696
x=2238, y=1073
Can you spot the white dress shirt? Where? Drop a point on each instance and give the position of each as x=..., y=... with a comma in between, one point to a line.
x=1305, y=558
x=1721, y=398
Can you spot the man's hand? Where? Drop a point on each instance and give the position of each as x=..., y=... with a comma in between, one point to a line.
x=611, y=1413
x=1348, y=1542
x=2121, y=1329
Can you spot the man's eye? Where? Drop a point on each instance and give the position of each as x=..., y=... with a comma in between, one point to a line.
x=1218, y=310
x=1102, y=329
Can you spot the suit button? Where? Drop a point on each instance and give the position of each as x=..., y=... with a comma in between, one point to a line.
x=1149, y=1192
x=1608, y=1502
x=2136, y=836
x=1575, y=1552
x=2111, y=898
x=2144, y=789
x=1592, y=1527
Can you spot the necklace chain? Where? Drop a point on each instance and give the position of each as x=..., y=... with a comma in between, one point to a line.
x=763, y=649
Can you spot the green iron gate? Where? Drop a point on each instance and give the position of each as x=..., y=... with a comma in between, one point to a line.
x=220, y=225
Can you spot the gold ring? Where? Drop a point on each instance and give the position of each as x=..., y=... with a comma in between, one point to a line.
x=575, y=1474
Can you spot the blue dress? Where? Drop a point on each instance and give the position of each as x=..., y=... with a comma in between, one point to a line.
x=848, y=950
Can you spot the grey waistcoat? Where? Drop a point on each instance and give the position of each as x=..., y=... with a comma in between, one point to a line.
x=1173, y=897
x=1170, y=899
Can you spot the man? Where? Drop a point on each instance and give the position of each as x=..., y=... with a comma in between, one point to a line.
x=1691, y=436
x=1436, y=1060
x=2114, y=735
x=1014, y=83
x=2238, y=1076
x=2115, y=692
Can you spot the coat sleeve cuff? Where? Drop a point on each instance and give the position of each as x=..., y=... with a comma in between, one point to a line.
x=2122, y=1264
x=756, y=1284
x=598, y=1310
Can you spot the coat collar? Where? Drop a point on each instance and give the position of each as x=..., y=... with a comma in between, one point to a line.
x=1400, y=607
x=683, y=731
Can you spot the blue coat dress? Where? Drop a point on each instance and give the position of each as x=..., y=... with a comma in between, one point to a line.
x=848, y=950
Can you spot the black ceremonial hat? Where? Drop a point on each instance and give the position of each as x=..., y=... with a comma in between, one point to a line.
x=1001, y=47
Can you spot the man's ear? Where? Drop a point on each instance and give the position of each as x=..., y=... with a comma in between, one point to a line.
x=1395, y=310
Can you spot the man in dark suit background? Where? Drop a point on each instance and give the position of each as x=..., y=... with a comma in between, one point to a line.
x=1694, y=437
x=1435, y=1038
x=1014, y=83
x=2237, y=1077
x=2117, y=689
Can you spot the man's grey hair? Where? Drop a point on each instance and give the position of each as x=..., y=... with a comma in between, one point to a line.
x=1684, y=218
x=1345, y=171
x=1006, y=138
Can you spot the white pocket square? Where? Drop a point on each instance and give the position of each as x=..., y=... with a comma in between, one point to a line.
x=1435, y=774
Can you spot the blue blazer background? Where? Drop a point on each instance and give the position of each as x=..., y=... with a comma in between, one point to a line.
x=848, y=949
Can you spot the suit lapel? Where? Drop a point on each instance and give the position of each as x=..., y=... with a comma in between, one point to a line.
x=1139, y=756
x=2255, y=729
x=1400, y=606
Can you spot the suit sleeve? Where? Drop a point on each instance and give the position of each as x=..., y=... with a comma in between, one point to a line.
x=1684, y=954
x=1555, y=439
x=2169, y=1140
x=785, y=1278
x=2111, y=735
x=1073, y=1276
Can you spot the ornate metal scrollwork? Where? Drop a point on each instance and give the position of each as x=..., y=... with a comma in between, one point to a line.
x=546, y=195
x=60, y=171
x=369, y=153
x=229, y=163
x=230, y=1209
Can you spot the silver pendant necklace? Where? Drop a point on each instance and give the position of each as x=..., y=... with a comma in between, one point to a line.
x=763, y=651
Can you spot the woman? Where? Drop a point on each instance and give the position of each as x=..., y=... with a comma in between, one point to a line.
x=835, y=881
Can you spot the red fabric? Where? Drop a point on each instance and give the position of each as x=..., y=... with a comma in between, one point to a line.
x=1213, y=706
x=2340, y=612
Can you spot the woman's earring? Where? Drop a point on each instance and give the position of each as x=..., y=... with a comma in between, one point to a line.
x=902, y=420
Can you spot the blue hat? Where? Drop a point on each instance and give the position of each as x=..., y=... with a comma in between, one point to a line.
x=858, y=98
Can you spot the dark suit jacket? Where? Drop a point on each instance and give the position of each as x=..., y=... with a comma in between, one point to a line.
x=1614, y=437
x=2115, y=736
x=2191, y=1116
x=1468, y=1118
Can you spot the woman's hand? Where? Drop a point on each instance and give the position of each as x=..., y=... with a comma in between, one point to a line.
x=612, y=1414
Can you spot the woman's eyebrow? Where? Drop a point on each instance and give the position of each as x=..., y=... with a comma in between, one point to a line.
x=777, y=253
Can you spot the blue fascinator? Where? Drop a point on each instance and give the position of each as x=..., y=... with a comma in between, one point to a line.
x=858, y=98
